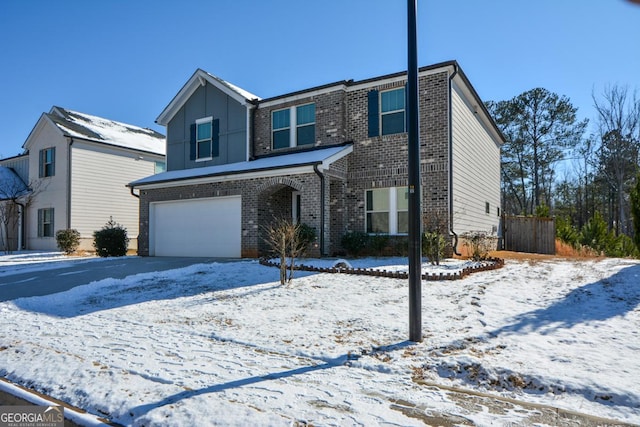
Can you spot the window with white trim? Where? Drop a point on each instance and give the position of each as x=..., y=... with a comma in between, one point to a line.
x=387, y=210
x=294, y=126
x=204, y=138
x=392, y=111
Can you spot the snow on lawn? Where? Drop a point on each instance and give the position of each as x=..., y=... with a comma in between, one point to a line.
x=225, y=344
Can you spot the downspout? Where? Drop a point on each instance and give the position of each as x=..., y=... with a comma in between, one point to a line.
x=322, y=208
x=21, y=209
x=455, y=236
x=134, y=194
x=252, y=129
x=69, y=184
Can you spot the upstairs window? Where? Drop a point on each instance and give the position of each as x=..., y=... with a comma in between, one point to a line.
x=392, y=111
x=306, y=124
x=285, y=135
x=387, y=210
x=47, y=166
x=281, y=126
x=204, y=138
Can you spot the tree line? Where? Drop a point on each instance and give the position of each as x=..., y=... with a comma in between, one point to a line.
x=602, y=191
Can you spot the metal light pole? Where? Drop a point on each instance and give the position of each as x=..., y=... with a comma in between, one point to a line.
x=415, y=210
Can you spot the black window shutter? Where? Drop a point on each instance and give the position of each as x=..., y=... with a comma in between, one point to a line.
x=374, y=111
x=52, y=226
x=40, y=215
x=53, y=161
x=192, y=142
x=41, y=164
x=215, y=138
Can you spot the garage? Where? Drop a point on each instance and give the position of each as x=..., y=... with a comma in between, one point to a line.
x=208, y=227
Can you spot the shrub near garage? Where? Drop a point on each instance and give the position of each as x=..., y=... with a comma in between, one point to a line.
x=112, y=240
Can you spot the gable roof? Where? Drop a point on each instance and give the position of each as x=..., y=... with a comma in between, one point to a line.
x=80, y=125
x=271, y=165
x=11, y=185
x=199, y=78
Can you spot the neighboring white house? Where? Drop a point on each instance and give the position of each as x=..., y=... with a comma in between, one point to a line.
x=78, y=169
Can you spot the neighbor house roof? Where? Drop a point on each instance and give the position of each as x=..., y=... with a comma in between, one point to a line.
x=273, y=165
x=11, y=185
x=111, y=132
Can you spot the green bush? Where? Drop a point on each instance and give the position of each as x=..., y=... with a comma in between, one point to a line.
x=306, y=237
x=354, y=242
x=635, y=211
x=378, y=243
x=595, y=234
x=433, y=246
x=112, y=240
x=68, y=240
x=622, y=246
x=567, y=232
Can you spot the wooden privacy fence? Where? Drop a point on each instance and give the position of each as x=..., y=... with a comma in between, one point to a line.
x=530, y=234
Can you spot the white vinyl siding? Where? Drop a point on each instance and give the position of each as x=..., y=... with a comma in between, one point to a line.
x=98, y=188
x=51, y=192
x=476, y=173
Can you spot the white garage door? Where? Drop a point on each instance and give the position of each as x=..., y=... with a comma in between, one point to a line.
x=199, y=228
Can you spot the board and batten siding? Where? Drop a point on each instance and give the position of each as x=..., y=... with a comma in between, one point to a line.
x=99, y=192
x=476, y=170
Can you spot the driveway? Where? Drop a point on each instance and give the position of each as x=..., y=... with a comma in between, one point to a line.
x=59, y=277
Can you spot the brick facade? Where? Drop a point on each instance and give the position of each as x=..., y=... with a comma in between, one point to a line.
x=375, y=162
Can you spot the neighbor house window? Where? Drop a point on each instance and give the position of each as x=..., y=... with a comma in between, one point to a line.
x=159, y=167
x=487, y=207
x=392, y=111
x=387, y=210
x=45, y=222
x=204, y=138
x=47, y=162
x=304, y=132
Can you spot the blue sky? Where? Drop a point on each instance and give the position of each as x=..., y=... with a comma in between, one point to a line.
x=125, y=59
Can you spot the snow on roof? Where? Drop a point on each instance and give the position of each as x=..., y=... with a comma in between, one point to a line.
x=305, y=158
x=94, y=128
x=11, y=185
x=245, y=94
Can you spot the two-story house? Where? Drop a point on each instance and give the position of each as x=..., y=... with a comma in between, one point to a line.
x=333, y=157
x=77, y=167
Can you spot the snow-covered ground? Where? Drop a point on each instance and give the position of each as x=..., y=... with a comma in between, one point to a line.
x=225, y=344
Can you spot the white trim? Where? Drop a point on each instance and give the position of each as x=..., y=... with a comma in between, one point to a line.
x=392, y=210
x=204, y=120
x=303, y=95
x=195, y=82
x=299, y=170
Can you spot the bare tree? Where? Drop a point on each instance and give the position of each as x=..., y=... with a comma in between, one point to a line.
x=619, y=132
x=14, y=197
x=286, y=241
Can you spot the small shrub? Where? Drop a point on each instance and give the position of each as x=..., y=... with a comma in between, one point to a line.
x=112, y=240
x=354, y=242
x=68, y=240
x=478, y=244
x=433, y=246
x=378, y=243
x=306, y=237
x=595, y=234
x=566, y=232
x=622, y=246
